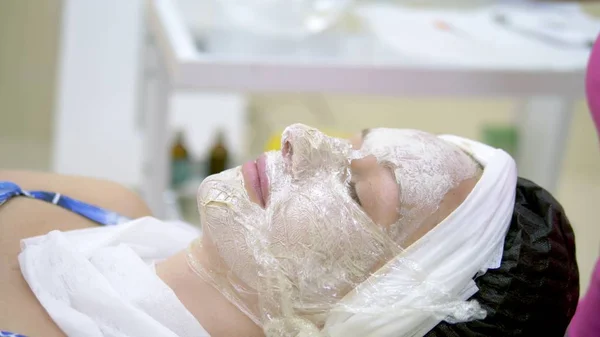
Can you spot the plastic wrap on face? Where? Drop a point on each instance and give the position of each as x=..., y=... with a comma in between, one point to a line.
x=425, y=168
x=287, y=265
x=432, y=279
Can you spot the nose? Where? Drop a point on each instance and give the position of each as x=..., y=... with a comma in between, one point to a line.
x=299, y=145
x=308, y=151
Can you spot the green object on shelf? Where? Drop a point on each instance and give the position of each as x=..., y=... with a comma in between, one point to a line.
x=505, y=137
x=181, y=166
x=180, y=172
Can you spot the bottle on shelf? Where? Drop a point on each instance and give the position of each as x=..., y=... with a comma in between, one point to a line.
x=218, y=155
x=180, y=161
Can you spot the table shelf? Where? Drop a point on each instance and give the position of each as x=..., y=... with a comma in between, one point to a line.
x=347, y=64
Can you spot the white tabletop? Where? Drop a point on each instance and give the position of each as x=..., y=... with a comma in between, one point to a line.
x=478, y=57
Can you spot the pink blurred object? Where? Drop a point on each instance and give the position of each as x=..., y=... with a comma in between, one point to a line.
x=592, y=83
x=586, y=322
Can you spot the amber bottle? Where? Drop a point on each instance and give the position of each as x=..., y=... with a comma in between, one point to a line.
x=218, y=156
x=180, y=161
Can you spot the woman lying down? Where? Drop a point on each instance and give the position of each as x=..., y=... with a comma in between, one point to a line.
x=395, y=233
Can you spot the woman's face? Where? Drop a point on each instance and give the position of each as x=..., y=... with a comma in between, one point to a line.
x=301, y=227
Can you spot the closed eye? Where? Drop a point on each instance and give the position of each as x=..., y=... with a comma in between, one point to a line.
x=353, y=194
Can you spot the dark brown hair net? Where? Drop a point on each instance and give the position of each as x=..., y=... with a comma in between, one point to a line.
x=536, y=289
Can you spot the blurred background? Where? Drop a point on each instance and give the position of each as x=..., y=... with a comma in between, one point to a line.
x=72, y=74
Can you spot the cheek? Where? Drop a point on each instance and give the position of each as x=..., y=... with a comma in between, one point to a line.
x=313, y=219
x=324, y=240
x=380, y=200
x=304, y=216
x=289, y=220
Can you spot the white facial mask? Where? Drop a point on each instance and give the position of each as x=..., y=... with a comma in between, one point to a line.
x=287, y=265
x=425, y=168
x=432, y=280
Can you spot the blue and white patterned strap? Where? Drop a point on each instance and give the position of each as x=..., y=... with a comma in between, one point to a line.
x=10, y=334
x=97, y=214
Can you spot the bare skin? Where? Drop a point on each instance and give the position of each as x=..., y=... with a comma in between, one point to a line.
x=21, y=218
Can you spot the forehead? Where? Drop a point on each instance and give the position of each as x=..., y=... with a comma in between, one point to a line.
x=380, y=138
x=414, y=151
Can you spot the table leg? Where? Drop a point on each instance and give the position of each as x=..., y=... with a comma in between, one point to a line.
x=544, y=127
x=156, y=168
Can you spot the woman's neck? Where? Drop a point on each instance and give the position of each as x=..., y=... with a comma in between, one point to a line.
x=215, y=313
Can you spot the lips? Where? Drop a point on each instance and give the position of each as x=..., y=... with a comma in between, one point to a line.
x=256, y=181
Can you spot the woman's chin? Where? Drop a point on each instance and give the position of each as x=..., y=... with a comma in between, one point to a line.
x=221, y=187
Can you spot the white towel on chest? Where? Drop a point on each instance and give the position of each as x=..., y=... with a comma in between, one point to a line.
x=101, y=281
